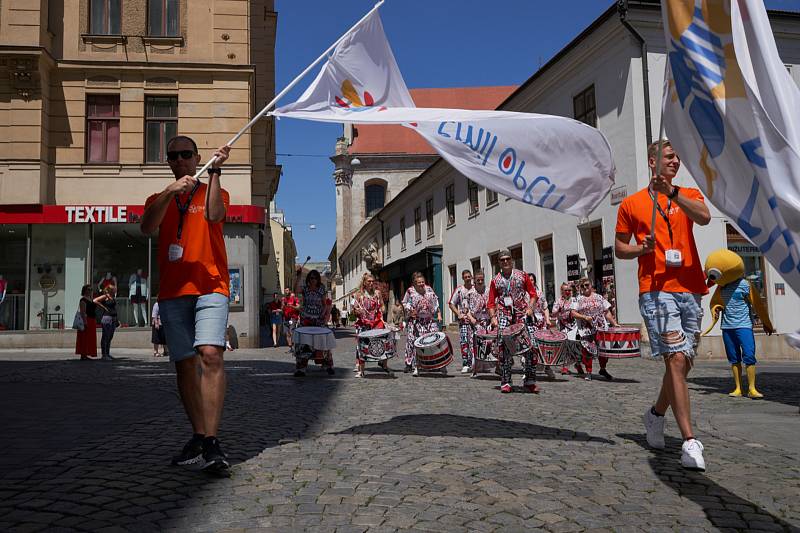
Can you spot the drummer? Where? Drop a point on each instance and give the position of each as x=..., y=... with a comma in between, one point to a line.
x=422, y=306
x=478, y=314
x=368, y=307
x=566, y=324
x=512, y=298
x=593, y=312
x=315, y=311
x=459, y=304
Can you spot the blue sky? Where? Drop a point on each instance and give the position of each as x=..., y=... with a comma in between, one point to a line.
x=437, y=43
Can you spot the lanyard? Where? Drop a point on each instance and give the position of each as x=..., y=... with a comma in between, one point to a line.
x=665, y=217
x=183, y=208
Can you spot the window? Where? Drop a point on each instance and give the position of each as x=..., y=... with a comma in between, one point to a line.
x=105, y=17
x=754, y=267
x=516, y=255
x=494, y=260
x=417, y=224
x=429, y=216
x=453, y=278
x=475, y=263
x=583, y=107
x=161, y=125
x=548, y=273
x=162, y=18
x=374, y=197
x=387, y=241
x=402, y=233
x=472, y=197
x=450, y=203
x=491, y=197
x=13, y=262
x=102, y=128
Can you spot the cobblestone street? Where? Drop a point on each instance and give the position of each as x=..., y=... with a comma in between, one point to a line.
x=88, y=444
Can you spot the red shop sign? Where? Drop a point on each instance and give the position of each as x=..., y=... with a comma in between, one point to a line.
x=105, y=214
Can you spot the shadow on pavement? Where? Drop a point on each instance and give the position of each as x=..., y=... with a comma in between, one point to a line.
x=442, y=425
x=779, y=387
x=724, y=509
x=88, y=444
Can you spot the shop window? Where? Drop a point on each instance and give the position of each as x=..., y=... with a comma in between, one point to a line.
x=57, y=273
x=387, y=239
x=161, y=125
x=491, y=197
x=374, y=197
x=429, y=216
x=450, y=203
x=472, y=196
x=106, y=17
x=754, y=265
x=102, y=128
x=120, y=257
x=584, y=108
x=516, y=256
x=162, y=18
x=14, y=257
x=476, y=264
x=548, y=272
x=402, y=234
x=417, y=224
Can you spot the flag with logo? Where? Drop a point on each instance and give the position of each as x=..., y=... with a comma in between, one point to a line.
x=548, y=161
x=733, y=115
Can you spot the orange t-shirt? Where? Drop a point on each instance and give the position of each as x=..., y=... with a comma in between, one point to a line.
x=203, y=268
x=634, y=217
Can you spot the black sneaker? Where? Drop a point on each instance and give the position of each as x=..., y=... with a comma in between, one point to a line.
x=192, y=453
x=216, y=460
x=603, y=372
x=299, y=373
x=407, y=369
x=330, y=371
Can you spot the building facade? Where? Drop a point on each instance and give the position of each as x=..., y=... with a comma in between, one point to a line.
x=92, y=90
x=610, y=76
x=279, y=269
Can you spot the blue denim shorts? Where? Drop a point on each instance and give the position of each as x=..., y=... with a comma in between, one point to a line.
x=673, y=321
x=192, y=321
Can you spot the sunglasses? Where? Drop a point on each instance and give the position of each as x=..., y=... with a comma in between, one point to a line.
x=504, y=259
x=185, y=154
x=585, y=285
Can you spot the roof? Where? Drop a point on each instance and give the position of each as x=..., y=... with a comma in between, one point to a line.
x=394, y=139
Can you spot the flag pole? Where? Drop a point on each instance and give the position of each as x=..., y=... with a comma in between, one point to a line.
x=289, y=87
x=664, y=95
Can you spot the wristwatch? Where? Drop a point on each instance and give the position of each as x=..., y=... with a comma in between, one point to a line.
x=218, y=171
x=675, y=191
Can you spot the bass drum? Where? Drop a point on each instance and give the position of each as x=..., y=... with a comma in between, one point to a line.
x=434, y=351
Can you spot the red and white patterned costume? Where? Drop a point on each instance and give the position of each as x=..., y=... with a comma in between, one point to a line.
x=426, y=306
x=466, y=333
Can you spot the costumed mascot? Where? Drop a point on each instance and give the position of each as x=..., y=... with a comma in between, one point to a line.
x=735, y=300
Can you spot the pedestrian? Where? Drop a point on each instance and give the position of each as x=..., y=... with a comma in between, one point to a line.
x=592, y=312
x=86, y=338
x=109, y=321
x=315, y=312
x=335, y=316
x=512, y=298
x=275, y=317
x=422, y=306
x=194, y=292
x=291, y=311
x=459, y=305
x=671, y=284
x=398, y=317
x=157, y=336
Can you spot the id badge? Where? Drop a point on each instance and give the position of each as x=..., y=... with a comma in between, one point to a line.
x=175, y=252
x=674, y=258
x=508, y=302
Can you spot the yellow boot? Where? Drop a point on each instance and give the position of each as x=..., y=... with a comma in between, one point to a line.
x=751, y=383
x=737, y=379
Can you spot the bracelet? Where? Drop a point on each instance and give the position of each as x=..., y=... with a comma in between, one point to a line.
x=215, y=170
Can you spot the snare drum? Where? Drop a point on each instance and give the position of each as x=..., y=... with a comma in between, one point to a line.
x=516, y=339
x=433, y=351
x=484, y=344
x=551, y=347
x=618, y=343
x=376, y=345
x=307, y=340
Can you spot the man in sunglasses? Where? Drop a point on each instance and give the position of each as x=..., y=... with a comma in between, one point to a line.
x=512, y=298
x=671, y=284
x=194, y=292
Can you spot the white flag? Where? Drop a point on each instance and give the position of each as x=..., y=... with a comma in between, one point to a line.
x=543, y=160
x=733, y=114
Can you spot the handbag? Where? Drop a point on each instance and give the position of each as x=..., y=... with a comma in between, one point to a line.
x=77, y=322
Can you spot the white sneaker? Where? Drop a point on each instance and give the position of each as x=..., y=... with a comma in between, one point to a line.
x=655, y=429
x=692, y=455
x=359, y=374
x=415, y=372
x=444, y=370
x=465, y=369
